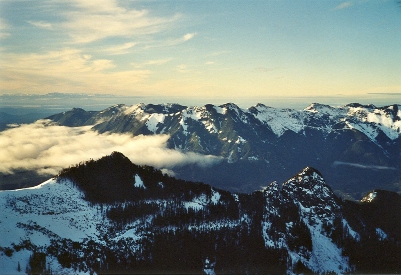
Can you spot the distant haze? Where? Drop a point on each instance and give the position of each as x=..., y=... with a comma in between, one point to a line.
x=58, y=102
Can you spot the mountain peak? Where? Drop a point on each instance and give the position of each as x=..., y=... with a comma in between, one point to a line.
x=358, y=105
x=230, y=106
x=301, y=210
x=309, y=189
x=109, y=178
x=309, y=171
x=307, y=178
x=306, y=187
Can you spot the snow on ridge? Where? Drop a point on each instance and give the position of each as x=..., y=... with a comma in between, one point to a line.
x=316, y=207
x=134, y=109
x=184, y=126
x=323, y=108
x=366, y=119
x=192, y=113
x=119, y=107
x=39, y=186
x=189, y=113
x=371, y=120
x=153, y=121
x=355, y=235
x=280, y=120
x=138, y=182
x=199, y=114
x=326, y=256
x=55, y=207
x=220, y=110
x=203, y=200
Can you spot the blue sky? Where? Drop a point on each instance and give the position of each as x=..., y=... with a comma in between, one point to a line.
x=207, y=48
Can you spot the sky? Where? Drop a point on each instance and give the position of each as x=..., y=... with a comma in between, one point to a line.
x=225, y=49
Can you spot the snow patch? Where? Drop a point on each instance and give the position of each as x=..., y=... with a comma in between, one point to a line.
x=139, y=182
x=215, y=197
x=381, y=234
x=278, y=120
x=350, y=231
x=153, y=121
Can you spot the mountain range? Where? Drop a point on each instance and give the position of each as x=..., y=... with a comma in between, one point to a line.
x=357, y=147
x=112, y=216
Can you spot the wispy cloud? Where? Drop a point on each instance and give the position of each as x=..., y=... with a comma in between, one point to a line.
x=182, y=68
x=4, y=29
x=120, y=49
x=173, y=42
x=47, y=148
x=65, y=70
x=363, y=166
x=41, y=24
x=155, y=62
x=343, y=5
x=188, y=36
x=95, y=20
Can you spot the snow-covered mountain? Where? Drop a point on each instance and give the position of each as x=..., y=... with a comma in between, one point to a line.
x=110, y=215
x=355, y=146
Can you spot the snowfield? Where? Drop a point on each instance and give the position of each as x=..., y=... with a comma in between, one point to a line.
x=48, y=211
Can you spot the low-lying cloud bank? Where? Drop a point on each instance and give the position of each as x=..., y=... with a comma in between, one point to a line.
x=47, y=148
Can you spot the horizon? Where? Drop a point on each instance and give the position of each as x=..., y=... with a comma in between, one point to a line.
x=59, y=102
x=204, y=50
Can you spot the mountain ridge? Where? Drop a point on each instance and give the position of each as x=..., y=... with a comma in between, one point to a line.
x=345, y=143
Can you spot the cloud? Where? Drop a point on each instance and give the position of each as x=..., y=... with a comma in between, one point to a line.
x=90, y=21
x=182, y=39
x=64, y=71
x=47, y=148
x=172, y=42
x=363, y=166
x=155, y=62
x=4, y=27
x=188, y=36
x=120, y=49
x=182, y=68
x=343, y=5
x=41, y=24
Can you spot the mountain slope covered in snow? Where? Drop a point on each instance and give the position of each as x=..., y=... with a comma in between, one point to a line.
x=357, y=147
x=110, y=215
